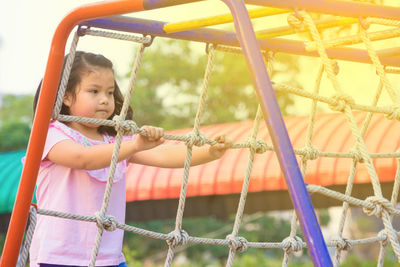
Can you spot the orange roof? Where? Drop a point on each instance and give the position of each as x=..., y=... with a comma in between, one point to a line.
x=225, y=176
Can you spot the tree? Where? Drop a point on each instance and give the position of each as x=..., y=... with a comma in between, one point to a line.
x=167, y=89
x=15, y=119
x=14, y=136
x=17, y=108
x=259, y=227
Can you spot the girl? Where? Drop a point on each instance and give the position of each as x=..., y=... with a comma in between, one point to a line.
x=73, y=173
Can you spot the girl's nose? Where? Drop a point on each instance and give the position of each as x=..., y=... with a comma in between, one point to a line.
x=103, y=99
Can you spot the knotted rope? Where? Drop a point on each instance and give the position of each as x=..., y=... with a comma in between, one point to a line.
x=380, y=204
x=394, y=114
x=237, y=243
x=384, y=237
x=108, y=223
x=195, y=138
x=342, y=243
x=126, y=127
x=342, y=100
x=310, y=153
x=177, y=238
x=296, y=22
x=357, y=156
x=292, y=244
x=256, y=146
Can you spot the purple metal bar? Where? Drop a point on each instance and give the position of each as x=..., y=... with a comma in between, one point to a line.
x=153, y=4
x=388, y=57
x=276, y=127
x=334, y=7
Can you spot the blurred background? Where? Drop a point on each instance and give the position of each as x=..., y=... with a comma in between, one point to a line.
x=166, y=95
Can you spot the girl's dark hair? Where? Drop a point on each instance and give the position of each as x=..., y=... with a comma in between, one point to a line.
x=83, y=62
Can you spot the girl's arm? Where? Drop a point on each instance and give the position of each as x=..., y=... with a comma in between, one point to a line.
x=173, y=156
x=143, y=150
x=73, y=155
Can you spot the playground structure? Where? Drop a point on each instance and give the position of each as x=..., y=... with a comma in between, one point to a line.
x=388, y=60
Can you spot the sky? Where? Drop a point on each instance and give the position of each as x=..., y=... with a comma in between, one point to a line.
x=27, y=28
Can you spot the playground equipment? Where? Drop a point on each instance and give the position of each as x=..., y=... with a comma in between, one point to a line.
x=388, y=60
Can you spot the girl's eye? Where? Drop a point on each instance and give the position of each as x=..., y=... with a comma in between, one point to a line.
x=94, y=91
x=111, y=93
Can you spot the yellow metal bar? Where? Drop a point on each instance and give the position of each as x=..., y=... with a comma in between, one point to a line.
x=221, y=19
x=355, y=39
x=287, y=30
x=392, y=70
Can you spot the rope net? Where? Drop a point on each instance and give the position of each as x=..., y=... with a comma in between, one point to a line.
x=375, y=205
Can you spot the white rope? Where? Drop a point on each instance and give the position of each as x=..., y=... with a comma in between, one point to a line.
x=194, y=139
x=118, y=36
x=375, y=205
x=65, y=76
x=114, y=158
x=28, y=238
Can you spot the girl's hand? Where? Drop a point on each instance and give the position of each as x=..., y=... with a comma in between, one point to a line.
x=216, y=151
x=153, y=138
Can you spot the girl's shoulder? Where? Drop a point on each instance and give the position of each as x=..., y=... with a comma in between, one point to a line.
x=57, y=128
x=64, y=129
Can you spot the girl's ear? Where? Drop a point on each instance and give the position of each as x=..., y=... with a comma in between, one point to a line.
x=67, y=100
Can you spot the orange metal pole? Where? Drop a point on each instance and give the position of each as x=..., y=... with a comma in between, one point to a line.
x=43, y=115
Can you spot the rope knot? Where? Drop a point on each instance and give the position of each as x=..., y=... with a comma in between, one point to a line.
x=380, y=204
x=256, y=146
x=364, y=22
x=355, y=153
x=292, y=244
x=178, y=237
x=342, y=243
x=310, y=153
x=394, y=113
x=341, y=101
x=237, y=243
x=384, y=237
x=195, y=139
x=296, y=22
x=335, y=66
x=127, y=127
x=109, y=223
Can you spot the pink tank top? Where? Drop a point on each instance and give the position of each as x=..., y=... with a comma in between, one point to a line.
x=70, y=242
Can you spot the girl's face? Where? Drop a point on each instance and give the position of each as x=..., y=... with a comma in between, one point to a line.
x=94, y=95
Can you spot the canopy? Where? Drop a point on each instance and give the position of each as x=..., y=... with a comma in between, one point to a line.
x=214, y=187
x=10, y=172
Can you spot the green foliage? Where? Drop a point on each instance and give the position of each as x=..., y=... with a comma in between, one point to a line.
x=15, y=118
x=163, y=76
x=143, y=251
x=170, y=80
x=257, y=229
x=323, y=216
x=353, y=260
x=14, y=136
x=16, y=108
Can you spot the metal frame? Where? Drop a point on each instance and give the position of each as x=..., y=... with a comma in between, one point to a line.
x=279, y=136
x=388, y=57
x=251, y=49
